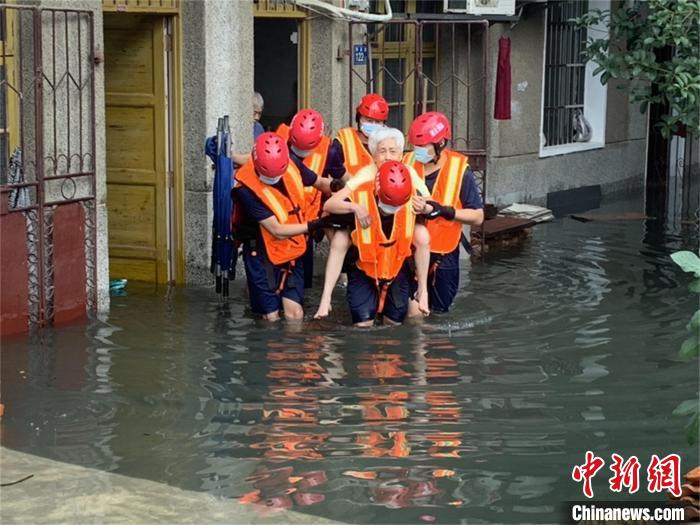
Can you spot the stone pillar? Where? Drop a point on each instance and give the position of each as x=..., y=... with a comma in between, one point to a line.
x=218, y=80
x=329, y=73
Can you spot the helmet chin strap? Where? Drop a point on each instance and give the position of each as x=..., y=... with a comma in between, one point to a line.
x=438, y=151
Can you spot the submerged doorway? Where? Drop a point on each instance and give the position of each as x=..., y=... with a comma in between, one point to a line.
x=281, y=64
x=139, y=171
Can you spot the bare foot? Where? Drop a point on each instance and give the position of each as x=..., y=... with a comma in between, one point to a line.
x=423, y=305
x=324, y=309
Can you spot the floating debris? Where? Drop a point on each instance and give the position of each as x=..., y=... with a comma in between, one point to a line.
x=360, y=475
x=625, y=216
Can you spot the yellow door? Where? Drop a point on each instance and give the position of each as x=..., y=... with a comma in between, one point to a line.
x=136, y=152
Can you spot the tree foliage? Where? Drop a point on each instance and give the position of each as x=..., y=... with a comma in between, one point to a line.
x=690, y=349
x=629, y=54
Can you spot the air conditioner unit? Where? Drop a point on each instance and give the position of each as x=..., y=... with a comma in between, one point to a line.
x=359, y=5
x=480, y=7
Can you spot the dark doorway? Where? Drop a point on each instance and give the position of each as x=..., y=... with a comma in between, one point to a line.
x=657, y=152
x=276, y=68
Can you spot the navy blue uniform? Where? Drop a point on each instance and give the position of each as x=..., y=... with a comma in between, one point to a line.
x=335, y=161
x=363, y=296
x=444, y=283
x=362, y=293
x=257, y=130
x=263, y=277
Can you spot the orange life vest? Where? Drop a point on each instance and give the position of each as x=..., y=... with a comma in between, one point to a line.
x=381, y=258
x=287, y=208
x=444, y=234
x=355, y=153
x=316, y=161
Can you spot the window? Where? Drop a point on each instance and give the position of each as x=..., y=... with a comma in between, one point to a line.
x=573, y=100
x=393, y=51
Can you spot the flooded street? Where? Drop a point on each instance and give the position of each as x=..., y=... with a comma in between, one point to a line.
x=564, y=344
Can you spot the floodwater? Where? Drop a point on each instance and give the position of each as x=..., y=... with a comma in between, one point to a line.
x=564, y=344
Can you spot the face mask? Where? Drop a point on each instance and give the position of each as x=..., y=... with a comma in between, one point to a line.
x=368, y=128
x=303, y=153
x=271, y=181
x=421, y=155
x=388, y=209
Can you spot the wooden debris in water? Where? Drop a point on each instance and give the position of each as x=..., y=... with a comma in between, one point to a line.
x=624, y=216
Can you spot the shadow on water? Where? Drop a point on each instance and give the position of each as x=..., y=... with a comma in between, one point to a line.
x=563, y=345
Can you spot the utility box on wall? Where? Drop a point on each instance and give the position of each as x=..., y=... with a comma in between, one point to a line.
x=480, y=7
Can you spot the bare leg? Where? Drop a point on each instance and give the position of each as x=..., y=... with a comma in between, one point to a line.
x=421, y=256
x=272, y=316
x=339, y=247
x=293, y=311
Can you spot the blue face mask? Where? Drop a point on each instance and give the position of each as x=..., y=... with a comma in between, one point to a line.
x=301, y=153
x=271, y=181
x=421, y=155
x=369, y=127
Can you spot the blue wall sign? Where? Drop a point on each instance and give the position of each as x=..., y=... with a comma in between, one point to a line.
x=359, y=55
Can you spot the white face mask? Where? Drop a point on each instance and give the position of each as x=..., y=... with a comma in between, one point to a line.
x=388, y=209
x=270, y=180
x=303, y=153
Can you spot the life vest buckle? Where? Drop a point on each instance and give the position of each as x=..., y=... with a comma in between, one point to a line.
x=383, y=288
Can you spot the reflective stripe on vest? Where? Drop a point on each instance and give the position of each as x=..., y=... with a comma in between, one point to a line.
x=454, y=177
x=355, y=154
x=380, y=258
x=444, y=235
x=363, y=200
x=276, y=207
x=279, y=251
x=316, y=162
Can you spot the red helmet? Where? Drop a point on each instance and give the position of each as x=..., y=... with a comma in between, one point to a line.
x=270, y=155
x=373, y=106
x=429, y=128
x=395, y=186
x=306, y=129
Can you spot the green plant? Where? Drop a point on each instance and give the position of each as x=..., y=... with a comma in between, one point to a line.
x=636, y=33
x=690, y=262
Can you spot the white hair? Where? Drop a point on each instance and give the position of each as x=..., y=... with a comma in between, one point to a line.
x=258, y=103
x=383, y=134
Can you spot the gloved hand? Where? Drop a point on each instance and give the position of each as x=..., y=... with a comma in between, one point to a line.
x=317, y=225
x=337, y=185
x=444, y=212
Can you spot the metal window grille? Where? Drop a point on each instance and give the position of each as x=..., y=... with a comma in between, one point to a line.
x=47, y=175
x=564, y=71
